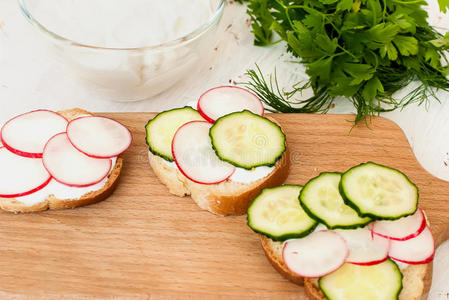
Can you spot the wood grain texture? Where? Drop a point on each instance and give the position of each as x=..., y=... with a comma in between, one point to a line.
x=143, y=243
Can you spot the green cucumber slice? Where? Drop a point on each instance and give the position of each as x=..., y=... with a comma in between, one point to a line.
x=247, y=140
x=276, y=213
x=379, y=191
x=377, y=282
x=322, y=201
x=161, y=129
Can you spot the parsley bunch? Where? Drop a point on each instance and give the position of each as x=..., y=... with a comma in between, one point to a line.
x=364, y=50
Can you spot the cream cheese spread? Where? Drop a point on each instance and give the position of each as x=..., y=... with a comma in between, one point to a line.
x=402, y=266
x=62, y=191
x=241, y=175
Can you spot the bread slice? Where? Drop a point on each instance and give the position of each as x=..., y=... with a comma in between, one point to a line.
x=413, y=280
x=16, y=206
x=225, y=198
x=273, y=251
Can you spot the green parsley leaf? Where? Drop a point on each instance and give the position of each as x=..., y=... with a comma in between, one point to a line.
x=365, y=50
x=344, y=5
x=406, y=45
x=371, y=88
x=321, y=69
x=444, y=5
x=442, y=42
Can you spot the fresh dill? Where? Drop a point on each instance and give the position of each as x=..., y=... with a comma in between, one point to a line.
x=363, y=50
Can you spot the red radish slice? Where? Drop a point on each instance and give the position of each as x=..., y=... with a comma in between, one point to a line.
x=194, y=156
x=27, y=134
x=364, y=248
x=99, y=137
x=402, y=229
x=223, y=100
x=21, y=176
x=418, y=250
x=71, y=167
x=315, y=255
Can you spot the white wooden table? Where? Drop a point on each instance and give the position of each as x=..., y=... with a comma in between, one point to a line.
x=30, y=79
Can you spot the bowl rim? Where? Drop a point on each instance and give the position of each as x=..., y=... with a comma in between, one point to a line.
x=165, y=45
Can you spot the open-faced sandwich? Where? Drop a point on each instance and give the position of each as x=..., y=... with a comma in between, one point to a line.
x=222, y=154
x=347, y=236
x=57, y=160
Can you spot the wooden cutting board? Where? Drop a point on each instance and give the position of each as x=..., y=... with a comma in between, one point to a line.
x=144, y=243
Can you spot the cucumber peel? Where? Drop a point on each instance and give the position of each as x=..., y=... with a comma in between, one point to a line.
x=377, y=282
x=247, y=140
x=161, y=129
x=321, y=200
x=276, y=213
x=379, y=192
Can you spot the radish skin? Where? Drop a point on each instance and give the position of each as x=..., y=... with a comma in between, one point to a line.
x=223, y=100
x=27, y=134
x=315, y=255
x=403, y=229
x=415, y=251
x=99, y=137
x=365, y=249
x=194, y=156
x=69, y=166
x=21, y=176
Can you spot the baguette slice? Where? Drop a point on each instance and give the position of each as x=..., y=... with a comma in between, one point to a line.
x=225, y=198
x=414, y=276
x=16, y=206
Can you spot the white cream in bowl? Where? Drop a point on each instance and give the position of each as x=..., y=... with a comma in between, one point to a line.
x=128, y=49
x=122, y=23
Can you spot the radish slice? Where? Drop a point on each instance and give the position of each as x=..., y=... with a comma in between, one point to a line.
x=99, y=137
x=194, y=156
x=27, y=134
x=364, y=248
x=21, y=176
x=71, y=167
x=223, y=100
x=316, y=255
x=418, y=250
x=402, y=229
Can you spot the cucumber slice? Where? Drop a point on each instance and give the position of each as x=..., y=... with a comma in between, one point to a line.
x=379, y=192
x=247, y=140
x=322, y=201
x=162, y=128
x=377, y=282
x=276, y=213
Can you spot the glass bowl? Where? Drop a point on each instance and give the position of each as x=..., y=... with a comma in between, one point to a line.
x=131, y=74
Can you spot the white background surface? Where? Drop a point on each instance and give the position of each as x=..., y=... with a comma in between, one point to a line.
x=30, y=79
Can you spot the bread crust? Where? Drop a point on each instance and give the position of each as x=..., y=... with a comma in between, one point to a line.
x=273, y=252
x=225, y=198
x=16, y=206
